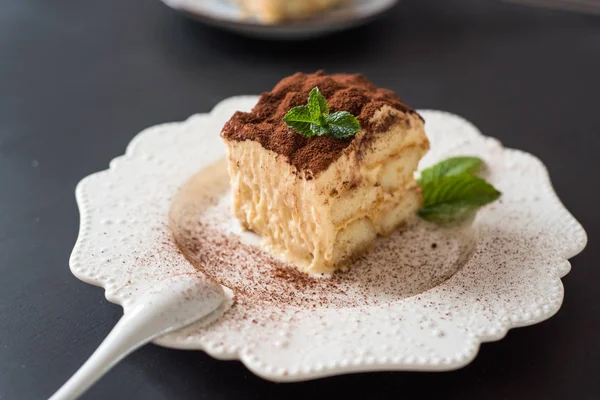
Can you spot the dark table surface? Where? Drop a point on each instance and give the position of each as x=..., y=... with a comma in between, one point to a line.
x=79, y=79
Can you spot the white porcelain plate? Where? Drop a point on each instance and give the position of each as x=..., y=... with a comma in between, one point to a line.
x=230, y=16
x=511, y=279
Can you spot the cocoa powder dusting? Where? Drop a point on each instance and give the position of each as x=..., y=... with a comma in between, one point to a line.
x=400, y=266
x=344, y=92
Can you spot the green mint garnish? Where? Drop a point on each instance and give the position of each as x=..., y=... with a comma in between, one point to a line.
x=299, y=119
x=450, y=166
x=451, y=193
x=315, y=120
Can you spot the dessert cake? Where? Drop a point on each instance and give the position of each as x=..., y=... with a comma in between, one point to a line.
x=275, y=11
x=320, y=202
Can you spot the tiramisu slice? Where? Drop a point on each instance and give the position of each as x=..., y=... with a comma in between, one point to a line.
x=319, y=196
x=276, y=11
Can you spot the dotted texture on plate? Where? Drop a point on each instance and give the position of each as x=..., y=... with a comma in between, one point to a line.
x=511, y=278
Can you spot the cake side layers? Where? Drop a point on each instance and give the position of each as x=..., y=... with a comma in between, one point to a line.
x=323, y=223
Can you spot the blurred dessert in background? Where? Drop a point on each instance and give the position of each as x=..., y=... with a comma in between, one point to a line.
x=276, y=11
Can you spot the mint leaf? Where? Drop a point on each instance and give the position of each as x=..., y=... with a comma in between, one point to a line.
x=449, y=167
x=318, y=130
x=447, y=214
x=317, y=105
x=453, y=198
x=298, y=114
x=342, y=124
x=299, y=119
x=314, y=119
x=459, y=188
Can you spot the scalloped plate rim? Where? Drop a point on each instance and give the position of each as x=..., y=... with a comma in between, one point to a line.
x=243, y=356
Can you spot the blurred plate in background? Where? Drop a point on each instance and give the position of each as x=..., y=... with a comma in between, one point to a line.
x=229, y=16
